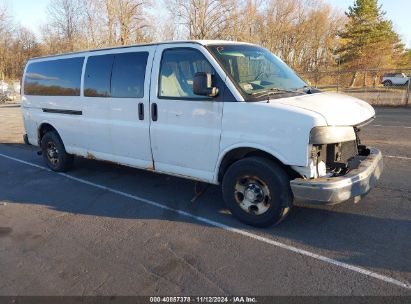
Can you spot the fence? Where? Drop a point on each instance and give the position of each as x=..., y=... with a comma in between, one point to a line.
x=389, y=87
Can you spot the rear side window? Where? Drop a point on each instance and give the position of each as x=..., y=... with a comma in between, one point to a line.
x=60, y=77
x=127, y=80
x=98, y=75
x=116, y=75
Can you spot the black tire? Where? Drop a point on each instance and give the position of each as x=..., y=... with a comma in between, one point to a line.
x=54, y=153
x=387, y=83
x=263, y=178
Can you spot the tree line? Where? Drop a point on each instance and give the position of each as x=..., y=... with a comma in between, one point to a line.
x=310, y=35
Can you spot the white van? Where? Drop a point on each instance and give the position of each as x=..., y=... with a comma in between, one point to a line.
x=215, y=111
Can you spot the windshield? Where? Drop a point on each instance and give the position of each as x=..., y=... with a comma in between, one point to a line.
x=256, y=70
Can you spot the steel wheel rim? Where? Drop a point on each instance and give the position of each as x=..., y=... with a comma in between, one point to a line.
x=52, y=153
x=252, y=195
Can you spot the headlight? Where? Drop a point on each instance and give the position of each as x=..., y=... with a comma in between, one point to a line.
x=329, y=135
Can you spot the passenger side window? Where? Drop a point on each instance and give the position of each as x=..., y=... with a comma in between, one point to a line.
x=98, y=76
x=177, y=70
x=60, y=77
x=129, y=70
x=116, y=75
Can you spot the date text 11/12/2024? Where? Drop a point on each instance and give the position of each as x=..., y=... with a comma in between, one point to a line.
x=205, y=299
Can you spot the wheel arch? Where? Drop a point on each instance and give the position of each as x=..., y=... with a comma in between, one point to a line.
x=43, y=128
x=236, y=153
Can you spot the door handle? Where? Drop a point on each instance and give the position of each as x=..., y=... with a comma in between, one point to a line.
x=141, y=111
x=154, y=114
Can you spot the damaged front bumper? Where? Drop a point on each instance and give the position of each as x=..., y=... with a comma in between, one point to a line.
x=333, y=190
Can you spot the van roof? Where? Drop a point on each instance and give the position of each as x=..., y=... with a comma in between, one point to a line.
x=202, y=42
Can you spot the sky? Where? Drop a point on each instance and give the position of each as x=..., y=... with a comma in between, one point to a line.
x=32, y=13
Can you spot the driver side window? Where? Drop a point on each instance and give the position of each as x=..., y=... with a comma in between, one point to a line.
x=177, y=70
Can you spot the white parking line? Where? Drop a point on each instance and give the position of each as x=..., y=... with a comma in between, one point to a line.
x=254, y=236
x=384, y=126
x=399, y=157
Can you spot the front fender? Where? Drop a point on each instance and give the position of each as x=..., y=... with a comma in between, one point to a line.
x=282, y=158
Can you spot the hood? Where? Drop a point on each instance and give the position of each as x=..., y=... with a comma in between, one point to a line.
x=337, y=109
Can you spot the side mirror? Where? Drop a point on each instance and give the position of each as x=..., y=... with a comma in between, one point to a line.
x=202, y=85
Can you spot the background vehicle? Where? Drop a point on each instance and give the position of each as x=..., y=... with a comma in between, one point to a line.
x=215, y=111
x=3, y=98
x=395, y=79
x=4, y=92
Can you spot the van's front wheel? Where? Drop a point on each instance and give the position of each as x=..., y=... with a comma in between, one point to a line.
x=54, y=153
x=257, y=191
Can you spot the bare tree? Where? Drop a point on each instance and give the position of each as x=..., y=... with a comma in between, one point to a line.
x=125, y=21
x=6, y=30
x=248, y=22
x=131, y=20
x=17, y=44
x=92, y=23
x=85, y=24
x=203, y=19
x=302, y=32
x=65, y=16
x=23, y=47
x=110, y=18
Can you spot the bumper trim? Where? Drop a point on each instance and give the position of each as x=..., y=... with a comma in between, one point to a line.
x=334, y=190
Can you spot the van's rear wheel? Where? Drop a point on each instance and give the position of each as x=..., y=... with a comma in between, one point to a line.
x=54, y=153
x=257, y=191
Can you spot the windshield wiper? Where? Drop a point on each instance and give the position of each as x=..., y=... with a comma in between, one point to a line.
x=271, y=92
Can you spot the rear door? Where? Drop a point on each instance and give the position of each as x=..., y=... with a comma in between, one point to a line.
x=185, y=128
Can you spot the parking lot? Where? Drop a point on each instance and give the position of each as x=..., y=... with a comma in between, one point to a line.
x=104, y=229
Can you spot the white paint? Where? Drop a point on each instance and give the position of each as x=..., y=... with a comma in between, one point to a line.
x=281, y=130
x=254, y=236
x=337, y=109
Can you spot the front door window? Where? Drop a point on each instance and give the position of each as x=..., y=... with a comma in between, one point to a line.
x=178, y=67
